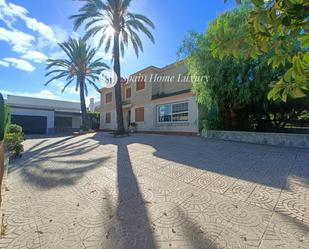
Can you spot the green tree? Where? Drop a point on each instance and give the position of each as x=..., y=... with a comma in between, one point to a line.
x=117, y=27
x=79, y=67
x=235, y=88
x=271, y=28
x=2, y=118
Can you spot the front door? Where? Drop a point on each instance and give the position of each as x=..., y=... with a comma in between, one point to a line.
x=127, y=119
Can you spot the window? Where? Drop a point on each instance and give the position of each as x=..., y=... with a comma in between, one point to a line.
x=108, y=97
x=139, y=114
x=169, y=113
x=165, y=113
x=140, y=84
x=63, y=122
x=128, y=93
x=180, y=112
x=108, y=118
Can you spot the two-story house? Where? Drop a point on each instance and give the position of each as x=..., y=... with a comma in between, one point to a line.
x=157, y=100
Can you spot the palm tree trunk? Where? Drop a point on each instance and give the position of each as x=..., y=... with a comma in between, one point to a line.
x=120, y=124
x=83, y=104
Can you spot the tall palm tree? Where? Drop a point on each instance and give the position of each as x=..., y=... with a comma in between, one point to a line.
x=117, y=27
x=79, y=67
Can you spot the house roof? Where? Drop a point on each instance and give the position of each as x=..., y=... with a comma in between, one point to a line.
x=145, y=70
x=174, y=64
x=169, y=66
x=42, y=104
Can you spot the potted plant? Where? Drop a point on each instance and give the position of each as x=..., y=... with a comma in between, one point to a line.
x=132, y=127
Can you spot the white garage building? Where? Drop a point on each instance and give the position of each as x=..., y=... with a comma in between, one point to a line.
x=44, y=116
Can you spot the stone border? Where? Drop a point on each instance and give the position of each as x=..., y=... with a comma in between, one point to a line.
x=3, y=190
x=279, y=139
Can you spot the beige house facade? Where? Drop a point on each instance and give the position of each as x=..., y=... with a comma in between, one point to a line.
x=156, y=100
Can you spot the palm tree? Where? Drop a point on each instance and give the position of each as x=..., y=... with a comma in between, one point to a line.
x=117, y=27
x=79, y=66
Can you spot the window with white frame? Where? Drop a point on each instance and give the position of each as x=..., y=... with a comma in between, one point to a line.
x=173, y=113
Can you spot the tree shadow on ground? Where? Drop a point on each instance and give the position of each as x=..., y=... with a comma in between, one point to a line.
x=61, y=163
x=131, y=227
x=261, y=164
x=194, y=234
x=264, y=165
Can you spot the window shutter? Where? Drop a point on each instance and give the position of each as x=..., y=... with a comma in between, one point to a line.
x=109, y=97
x=128, y=93
x=139, y=114
x=140, y=84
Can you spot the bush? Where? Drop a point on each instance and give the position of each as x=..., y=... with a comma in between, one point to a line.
x=13, y=140
x=13, y=128
x=212, y=120
x=94, y=119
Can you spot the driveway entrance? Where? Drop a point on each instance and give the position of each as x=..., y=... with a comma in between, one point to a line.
x=150, y=191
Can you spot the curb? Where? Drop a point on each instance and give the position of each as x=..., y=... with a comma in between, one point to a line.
x=3, y=190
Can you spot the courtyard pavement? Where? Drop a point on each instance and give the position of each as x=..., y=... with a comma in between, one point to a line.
x=151, y=191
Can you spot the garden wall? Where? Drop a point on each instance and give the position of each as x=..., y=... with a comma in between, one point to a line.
x=279, y=139
x=1, y=168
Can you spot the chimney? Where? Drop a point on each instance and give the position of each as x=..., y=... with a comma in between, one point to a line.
x=91, y=105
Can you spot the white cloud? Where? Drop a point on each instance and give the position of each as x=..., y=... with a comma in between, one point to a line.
x=19, y=41
x=45, y=94
x=42, y=37
x=20, y=64
x=70, y=90
x=58, y=84
x=35, y=56
x=60, y=54
x=39, y=27
x=10, y=12
x=4, y=63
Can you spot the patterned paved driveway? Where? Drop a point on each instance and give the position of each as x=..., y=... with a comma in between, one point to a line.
x=148, y=191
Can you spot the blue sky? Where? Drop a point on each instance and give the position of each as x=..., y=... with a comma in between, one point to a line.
x=30, y=30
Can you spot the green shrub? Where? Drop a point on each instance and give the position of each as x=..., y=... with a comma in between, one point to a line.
x=94, y=119
x=212, y=119
x=13, y=140
x=2, y=117
x=13, y=128
x=7, y=119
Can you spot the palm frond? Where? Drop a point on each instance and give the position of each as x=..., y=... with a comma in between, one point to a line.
x=93, y=84
x=126, y=4
x=114, y=14
x=141, y=27
x=108, y=44
x=80, y=63
x=92, y=31
x=54, y=71
x=142, y=18
x=66, y=85
x=61, y=75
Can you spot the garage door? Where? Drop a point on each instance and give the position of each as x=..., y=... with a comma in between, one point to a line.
x=31, y=124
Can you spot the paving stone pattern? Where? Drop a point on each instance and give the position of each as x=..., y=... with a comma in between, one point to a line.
x=151, y=191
